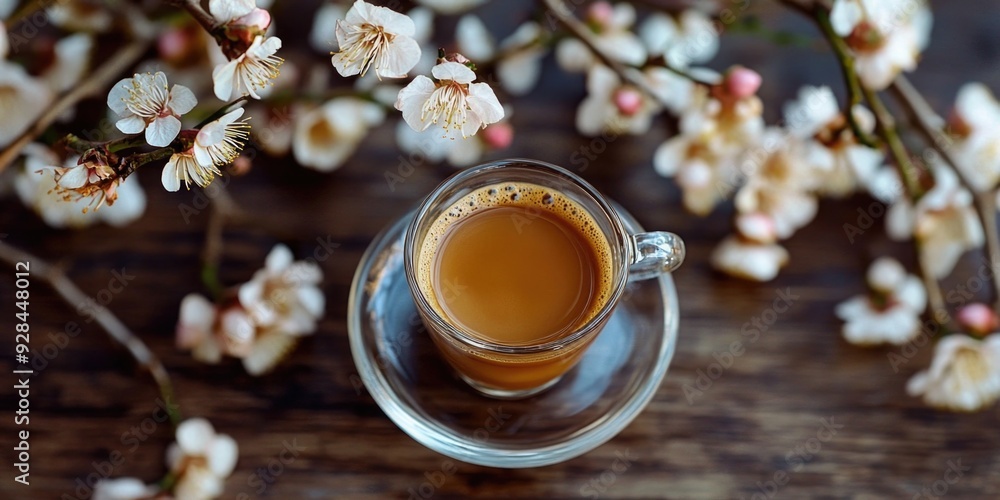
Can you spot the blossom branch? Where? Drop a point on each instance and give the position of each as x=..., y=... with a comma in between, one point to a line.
x=223, y=208
x=96, y=82
x=73, y=296
x=851, y=80
x=930, y=124
x=563, y=14
x=194, y=8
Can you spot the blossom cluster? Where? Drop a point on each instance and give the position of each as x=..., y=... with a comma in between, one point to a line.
x=263, y=320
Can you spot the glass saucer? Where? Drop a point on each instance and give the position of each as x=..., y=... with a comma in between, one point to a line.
x=416, y=388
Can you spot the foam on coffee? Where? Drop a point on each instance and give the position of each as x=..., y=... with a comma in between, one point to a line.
x=536, y=200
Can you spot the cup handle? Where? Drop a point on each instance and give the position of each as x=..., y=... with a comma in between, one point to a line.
x=654, y=254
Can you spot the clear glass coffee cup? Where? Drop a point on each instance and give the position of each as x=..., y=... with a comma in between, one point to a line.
x=465, y=214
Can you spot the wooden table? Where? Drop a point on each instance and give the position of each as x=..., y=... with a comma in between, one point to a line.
x=762, y=427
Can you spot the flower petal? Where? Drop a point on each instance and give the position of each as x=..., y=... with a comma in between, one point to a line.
x=162, y=131
x=483, y=103
x=131, y=124
x=194, y=436
x=182, y=100
x=401, y=55
x=224, y=80
x=411, y=101
x=169, y=178
x=222, y=455
x=453, y=71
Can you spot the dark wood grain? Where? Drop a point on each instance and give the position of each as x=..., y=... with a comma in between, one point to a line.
x=729, y=441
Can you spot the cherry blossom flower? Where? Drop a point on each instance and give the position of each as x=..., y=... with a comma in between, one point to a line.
x=375, y=38
x=23, y=99
x=80, y=15
x=125, y=488
x=326, y=136
x=944, y=221
x=450, y=101
x=752, y=253
x=450, y=6
x=886, y=36
x=184, y=167
x=521, y=65
x=323, y=35
x=263, y=322
x=830, y=145
x=614, y=106
x=705, y=158
x=228, y=11
x=146, y=102
x=249, y=72
x=202, y=460
x=690, y=38
x=474, y=39
x=611, y=34
x=891, y=314
x=976, y=120
x=220, y=142
x=434, y=147
x=964, y=375
x=36, y=185
x=71, y=59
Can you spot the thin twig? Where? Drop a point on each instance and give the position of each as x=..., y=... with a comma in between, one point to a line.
x=73, y=296
x=96, y=82
x=562, y=13
x=851, y=80
x=930, y=125
x=197, y=12
x=223, y=209
x=935, y=299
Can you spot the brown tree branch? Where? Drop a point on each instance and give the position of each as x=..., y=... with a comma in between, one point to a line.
x=120, y=333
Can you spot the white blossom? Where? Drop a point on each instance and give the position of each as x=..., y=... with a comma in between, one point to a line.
x=325, y=137
x=23, y=99
x=944, y=221
x=614, y=106
x=226, y=11
x=220, y=142
x=80, y=15
x=964, y=375
x=202, y=460
x=323, y=36
x=744, y=258
x=977, y=146
x=72, y=56
x=184, y=167
x=250, y=72
x=611, y=34
x=892, y=313
x=456, y=104
x=146, y=102
x=124, y=488
x=691, y=38
x=37, y=187
x=521, y=66
x=375, y=38
x=886, y=36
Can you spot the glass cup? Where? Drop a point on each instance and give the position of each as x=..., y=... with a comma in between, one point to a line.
x=518, y=371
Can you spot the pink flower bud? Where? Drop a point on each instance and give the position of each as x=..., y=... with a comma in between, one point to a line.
x=499, y=135
x=241, y=165
x=742, y=82
x=173, y=44
x=257, y=18
x=978, y=318
x=601, y=13
x=628, y=101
